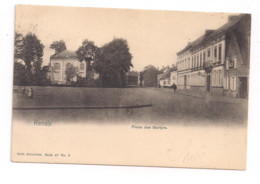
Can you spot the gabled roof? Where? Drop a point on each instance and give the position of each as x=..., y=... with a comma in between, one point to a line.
x=65, y=54
x=220, y=31
x=167, y=74
x=161, y=71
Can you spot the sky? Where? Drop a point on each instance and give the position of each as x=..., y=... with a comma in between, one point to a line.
x=154, y=37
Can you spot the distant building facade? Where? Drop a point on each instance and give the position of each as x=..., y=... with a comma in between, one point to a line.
x=174, y=76
x=160, y=75
x=60, y=62
x=168, y=78
x=218, y=62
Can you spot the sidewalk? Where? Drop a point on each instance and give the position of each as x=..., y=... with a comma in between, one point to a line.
x=209, y=96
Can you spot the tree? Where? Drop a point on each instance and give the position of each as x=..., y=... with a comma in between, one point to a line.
x=19, y=74
x=41, y=77
x=149, y=76
x=18, y=45
x=29, y=49
x=32, y=52
x=70, y=72
x=87, y=52
x=58, y=46
x=112, y=63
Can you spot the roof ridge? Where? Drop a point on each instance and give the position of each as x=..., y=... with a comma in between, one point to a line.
x=221, y=29
x=65, y=54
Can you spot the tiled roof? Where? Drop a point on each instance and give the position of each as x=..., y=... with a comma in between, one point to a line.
x=220, y=31
x=161, y=71
x=167, y=74
x=65, y=54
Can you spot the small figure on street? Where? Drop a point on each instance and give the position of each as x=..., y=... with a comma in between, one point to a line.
x=23, y=90
x=30, y=93
x=174, y=87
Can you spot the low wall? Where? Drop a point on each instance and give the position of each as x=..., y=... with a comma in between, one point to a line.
x=230, y=93
x=182, y=87
x=217, y=91
x=198, y=88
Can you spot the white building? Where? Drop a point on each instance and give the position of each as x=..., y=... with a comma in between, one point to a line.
x=168, y=78
x=59, y=62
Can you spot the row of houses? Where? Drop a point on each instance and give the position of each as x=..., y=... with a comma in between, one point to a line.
x=155, y=77
x=218, y=61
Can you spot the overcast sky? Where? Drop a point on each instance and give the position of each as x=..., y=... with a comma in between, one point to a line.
x=154, y=37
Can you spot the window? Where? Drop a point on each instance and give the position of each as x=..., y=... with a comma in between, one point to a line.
x=227, y=63
x=233, y=83
x=208, y=52
x=235, y=62
x=217, y=78
x=81, y=66
x=197, y=60
x=67, y=65
x=215, y=52
x=226, y=83
x=220, y=78
x=56, y=66
x=192, y=62
x=200, y=60
x=214, y=78
x=219, y=52
x=204, y=57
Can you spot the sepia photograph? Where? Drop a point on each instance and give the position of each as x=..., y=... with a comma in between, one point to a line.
x=130, y=87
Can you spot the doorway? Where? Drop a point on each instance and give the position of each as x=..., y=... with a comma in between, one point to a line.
x=185, y=81
x=242, y=87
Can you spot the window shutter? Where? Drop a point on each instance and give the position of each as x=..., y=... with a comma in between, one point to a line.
x=227, y=62
x=227, y=82
x=235, y=62
x=235, y=83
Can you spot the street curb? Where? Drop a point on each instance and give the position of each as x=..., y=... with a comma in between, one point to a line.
x=80, y=107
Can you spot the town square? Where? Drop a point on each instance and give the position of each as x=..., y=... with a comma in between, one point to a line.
x=205, y=80
x=130, y=87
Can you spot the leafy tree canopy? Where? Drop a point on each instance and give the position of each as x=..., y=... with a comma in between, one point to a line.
x=58, y=46
x=32, y=52
x=29, y=49
x=113, y=61
x=18, y=46
x=87, y=52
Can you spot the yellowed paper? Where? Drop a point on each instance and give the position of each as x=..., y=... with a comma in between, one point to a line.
x=140, y=120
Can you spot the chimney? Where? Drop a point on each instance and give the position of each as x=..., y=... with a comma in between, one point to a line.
x=209, y=31
x=232, y=18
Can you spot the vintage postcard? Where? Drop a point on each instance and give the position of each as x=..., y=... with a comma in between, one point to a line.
x=130, y=87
